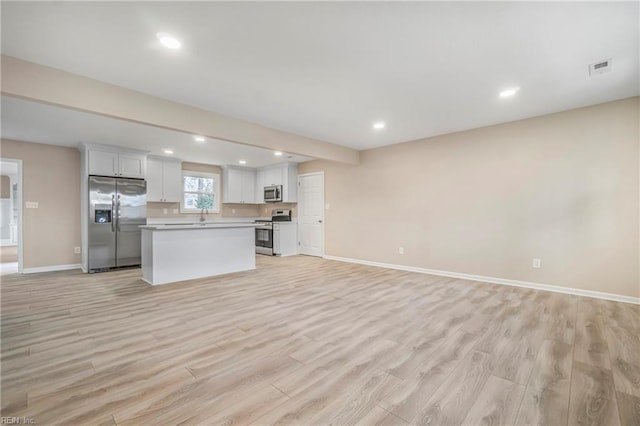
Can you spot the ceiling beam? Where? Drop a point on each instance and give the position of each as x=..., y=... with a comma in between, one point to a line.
x=31, y=81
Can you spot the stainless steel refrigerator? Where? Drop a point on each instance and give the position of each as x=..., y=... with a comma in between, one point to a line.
x=117, y=207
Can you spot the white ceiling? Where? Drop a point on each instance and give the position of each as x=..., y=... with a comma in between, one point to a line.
x=35, y=122
x=328, y=70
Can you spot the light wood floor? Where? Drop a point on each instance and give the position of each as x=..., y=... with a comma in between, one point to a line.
x=309, y=341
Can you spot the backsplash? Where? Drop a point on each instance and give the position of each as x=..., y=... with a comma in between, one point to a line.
x=157, y=210
x=264, y=210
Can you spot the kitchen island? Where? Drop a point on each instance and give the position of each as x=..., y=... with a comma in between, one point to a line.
x=180, y=252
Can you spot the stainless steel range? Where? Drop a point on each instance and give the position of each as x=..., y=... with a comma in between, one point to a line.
x=264, y=232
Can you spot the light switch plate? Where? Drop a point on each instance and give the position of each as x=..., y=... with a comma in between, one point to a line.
x=31, y=204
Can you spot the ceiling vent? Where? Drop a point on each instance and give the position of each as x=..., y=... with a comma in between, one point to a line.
x=600, y=67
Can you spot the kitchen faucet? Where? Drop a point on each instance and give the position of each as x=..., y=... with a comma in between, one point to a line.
x=203, y=214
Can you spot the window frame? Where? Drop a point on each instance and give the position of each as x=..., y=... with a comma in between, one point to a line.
x=216, y=188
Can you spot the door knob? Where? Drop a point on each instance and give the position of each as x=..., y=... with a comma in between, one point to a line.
x=319, y=221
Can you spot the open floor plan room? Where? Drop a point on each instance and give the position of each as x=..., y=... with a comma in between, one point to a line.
x=304, y=340
x=320, y=213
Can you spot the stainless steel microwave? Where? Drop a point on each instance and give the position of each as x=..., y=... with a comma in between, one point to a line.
x=272, y=194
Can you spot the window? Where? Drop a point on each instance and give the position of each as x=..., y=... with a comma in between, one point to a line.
x=201, y=191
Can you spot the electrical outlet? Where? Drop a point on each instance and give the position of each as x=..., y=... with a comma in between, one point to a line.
x=31, y=204
x=537, y=263
x=233, y=211
x=165, y=211
x=327, y=206
x=401, y=250
x=175, y=211
x=76, y=250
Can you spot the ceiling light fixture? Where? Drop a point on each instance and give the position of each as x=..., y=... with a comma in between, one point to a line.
x=167, y=151
x=169, y=41
x=278, y=153
x=379, y=125
x=509, y=92
x=199, y=138
x=242, y=161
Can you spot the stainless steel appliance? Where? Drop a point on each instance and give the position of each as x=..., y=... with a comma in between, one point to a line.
x=117, y=207
x=264, y=232
x=272, y=194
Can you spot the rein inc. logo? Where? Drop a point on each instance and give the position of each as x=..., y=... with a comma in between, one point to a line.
x=17, y=420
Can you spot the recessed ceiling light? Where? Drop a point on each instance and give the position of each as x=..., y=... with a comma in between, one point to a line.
x=199, y=138
x=378, y=125
x=168, y=41
x=278, y=153
x=242, y=161
x=167, y=151
x=506, y=93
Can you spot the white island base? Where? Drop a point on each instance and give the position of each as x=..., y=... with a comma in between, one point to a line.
x=172, y=253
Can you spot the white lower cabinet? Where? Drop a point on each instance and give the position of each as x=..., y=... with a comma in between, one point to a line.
x=285, y=238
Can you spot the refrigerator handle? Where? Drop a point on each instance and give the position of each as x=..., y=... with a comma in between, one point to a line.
x=113, y=211
x=118, y=212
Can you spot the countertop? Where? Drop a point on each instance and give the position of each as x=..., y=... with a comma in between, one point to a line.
x=199, y=226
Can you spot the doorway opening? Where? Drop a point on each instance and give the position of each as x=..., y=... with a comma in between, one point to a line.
x=10, y=216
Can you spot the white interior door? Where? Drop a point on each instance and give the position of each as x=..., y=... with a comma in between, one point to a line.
x=311, y=213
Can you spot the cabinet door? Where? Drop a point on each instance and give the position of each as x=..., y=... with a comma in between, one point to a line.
x=172, y=181
x=290, y=184
x=259, y=198
x=154, y=180
x=248, y=186
x=273, y=176
x=103, y=163
x=234, y=186
x=132, y=166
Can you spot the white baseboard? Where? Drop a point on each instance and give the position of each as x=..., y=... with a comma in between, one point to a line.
x=494, y=280
x=52, y=268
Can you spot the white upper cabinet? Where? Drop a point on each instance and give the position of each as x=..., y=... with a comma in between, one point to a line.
x=238, y=185
x=164, y=180
x=273, y=176
x=260, y=186
x=290, y=183
x=172, y=181
x=132, y=165
x=118, y=164
x=282, y=174
x=246, y=185
x=103, y=163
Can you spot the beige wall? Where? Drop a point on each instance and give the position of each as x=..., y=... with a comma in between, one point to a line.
x=5, y=186
x=51, y=176
x=562, y=187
